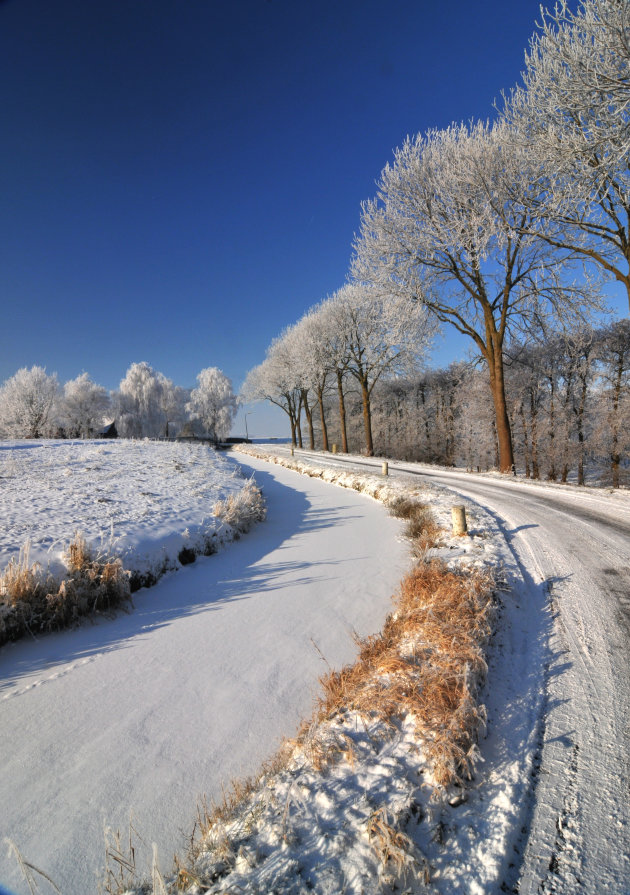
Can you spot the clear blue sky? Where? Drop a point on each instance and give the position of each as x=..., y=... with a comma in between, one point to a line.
x=182, y=178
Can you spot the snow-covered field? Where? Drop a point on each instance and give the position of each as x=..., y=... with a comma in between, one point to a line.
x=142, y=501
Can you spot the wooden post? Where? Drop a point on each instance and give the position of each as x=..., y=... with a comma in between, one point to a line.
x=385, y=467
x=334, y=448
x=292, y=451
x=458, y=515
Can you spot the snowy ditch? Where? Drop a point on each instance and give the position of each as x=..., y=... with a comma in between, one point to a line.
x=384, y=790
x=88, y=522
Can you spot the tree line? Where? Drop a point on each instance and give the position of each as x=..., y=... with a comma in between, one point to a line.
x=569, y=409
x=504, y=231
x=33, y=404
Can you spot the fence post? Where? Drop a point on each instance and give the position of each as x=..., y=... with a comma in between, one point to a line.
x=458, y=515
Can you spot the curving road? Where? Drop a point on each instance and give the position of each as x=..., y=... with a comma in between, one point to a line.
x=576, y=542
x=146, y=712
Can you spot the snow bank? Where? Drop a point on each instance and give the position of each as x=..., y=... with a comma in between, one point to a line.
x=141, y=501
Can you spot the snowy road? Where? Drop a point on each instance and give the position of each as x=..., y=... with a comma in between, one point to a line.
x=576, y=543
x=217, y=663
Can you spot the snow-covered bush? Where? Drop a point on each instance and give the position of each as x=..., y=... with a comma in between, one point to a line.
x=242, y=510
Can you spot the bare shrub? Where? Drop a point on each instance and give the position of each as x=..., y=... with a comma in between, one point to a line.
x=34, y=601
x=242, y=510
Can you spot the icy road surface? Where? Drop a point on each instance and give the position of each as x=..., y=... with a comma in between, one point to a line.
x=575, y=543
x=218, y=662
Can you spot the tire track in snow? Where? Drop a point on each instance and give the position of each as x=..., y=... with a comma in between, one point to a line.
x=579, y=832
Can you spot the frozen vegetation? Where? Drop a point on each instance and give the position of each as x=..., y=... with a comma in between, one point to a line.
x=88, y=522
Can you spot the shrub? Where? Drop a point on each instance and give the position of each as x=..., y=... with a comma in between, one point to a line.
x=242, y=510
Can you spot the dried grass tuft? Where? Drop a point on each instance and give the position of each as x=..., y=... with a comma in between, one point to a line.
x=33, y=601
x=394, y=849
x=426, y=663
x=242, y=510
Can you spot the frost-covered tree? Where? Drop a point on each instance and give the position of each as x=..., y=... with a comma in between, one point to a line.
x=26, y=403
x=173, y=400
x=383, y=334
x=449, y=230
x=84, y=406
x=213, y=403
x=139, y=402
x=572, y=113
x=331, y=360
x=277, y=380
x=614, y=355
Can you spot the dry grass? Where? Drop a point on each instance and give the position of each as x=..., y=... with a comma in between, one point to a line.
x=33, y=601
x=394, y=850
x=242, y=510
x=30, y=873
x=427, y=663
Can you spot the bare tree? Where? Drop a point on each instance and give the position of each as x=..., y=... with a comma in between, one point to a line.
x=572, y=113
x=614, y=354
x=276, y=380
x=383, y=335
x=315, y=364
x=446, y=230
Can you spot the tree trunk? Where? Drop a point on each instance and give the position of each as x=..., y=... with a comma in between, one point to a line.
x=502, y=419
x=521, y=413
x=367, y=419
x=551, y=475
x=322, y=415
x=342, y=413
x=615, y=455
x=309, y=419
x=566, y=425
x=580, y=428
x=534, y=430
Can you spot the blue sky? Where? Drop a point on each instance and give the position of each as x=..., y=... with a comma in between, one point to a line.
x=181, y=180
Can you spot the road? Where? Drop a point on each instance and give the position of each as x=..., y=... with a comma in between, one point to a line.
x=148, y=711
x=576, y=543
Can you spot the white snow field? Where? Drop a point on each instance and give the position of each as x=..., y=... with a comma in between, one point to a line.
x=146, y=712
x=549, y=809
x=140, y=500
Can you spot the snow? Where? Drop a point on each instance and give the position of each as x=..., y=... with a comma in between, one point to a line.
x=218, y=662
x=548, y=809
x=140, y=500
x=197, y=685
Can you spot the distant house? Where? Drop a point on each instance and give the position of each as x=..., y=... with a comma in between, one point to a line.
x=108, y=431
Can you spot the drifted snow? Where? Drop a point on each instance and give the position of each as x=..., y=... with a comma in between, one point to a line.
x=147, y=712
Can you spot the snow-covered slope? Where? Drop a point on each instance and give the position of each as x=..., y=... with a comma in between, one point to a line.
x=140, y=500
